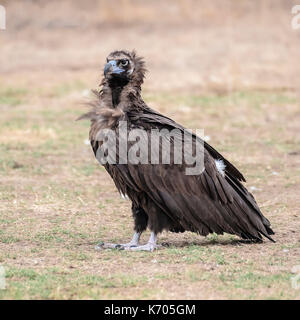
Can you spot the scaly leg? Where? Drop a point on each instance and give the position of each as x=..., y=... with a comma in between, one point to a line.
x=121, y=246
x=149, y=246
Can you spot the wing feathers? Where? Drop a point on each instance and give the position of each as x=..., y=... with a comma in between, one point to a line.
x=205, y=203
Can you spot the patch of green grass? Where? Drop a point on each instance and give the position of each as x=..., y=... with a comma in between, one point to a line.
x=13, y=272
x=212, y=238
x=56, y=283
x=128, y=280
x=66, y=88
x=77, y=256
x=48, y=236
x=252, y=98
x=12, y=96
x=114, y=281
x=88, y=169
x=190, y=254
x=59, y=235
x=220, y=259
x=8, y=238
x=194, y=276
x=7, y=220
x=252, y=280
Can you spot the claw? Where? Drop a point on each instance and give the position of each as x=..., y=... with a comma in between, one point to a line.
x=120, y=246
x=99, y=246
x=146, y=247
x=165, y=244
x=102, y=245
x=132, y=245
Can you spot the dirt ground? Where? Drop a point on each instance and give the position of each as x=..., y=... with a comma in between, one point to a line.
x=228, y=67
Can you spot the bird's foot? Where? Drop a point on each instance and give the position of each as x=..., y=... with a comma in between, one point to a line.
x=133, y=245
x=119, y=246
x=146, y=247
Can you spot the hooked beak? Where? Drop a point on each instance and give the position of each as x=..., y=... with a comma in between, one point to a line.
x=112, y=67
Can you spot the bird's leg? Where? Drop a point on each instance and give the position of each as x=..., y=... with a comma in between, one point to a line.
x=149, y=246
x=133, y=243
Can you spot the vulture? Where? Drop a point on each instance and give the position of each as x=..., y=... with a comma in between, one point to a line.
x=164, y=195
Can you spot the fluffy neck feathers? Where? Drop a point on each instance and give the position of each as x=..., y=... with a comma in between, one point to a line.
x=119, y=93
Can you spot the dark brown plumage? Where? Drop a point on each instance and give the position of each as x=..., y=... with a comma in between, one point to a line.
x=163, y=197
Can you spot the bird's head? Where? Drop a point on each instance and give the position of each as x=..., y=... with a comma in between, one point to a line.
x=124, y=66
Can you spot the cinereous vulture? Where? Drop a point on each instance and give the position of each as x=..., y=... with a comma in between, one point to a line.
x=163, y=195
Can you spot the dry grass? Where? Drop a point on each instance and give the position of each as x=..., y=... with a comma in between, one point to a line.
x=235, y=75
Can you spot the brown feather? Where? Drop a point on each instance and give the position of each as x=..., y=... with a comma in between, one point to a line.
x=163, y=196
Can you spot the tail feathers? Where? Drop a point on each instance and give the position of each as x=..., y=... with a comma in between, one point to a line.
x=251, y=209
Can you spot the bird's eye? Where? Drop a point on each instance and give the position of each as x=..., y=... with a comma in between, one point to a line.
x=124, y=62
